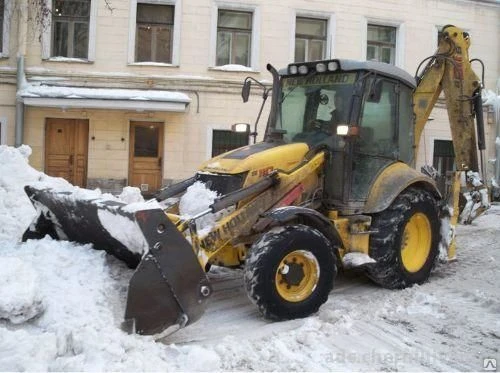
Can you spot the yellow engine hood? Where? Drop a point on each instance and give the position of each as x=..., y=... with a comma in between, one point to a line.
x=258, y=159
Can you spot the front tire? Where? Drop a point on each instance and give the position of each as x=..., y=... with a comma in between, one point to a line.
x=405, y=245
x=290, y=272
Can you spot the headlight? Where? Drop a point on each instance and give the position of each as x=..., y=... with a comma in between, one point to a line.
x=240, y=127
x=342, y=130
x=333, y=65
x=292, y=70
x=321, y=67
x=303, y=69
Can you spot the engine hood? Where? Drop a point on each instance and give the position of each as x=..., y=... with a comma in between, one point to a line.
x=258, y=159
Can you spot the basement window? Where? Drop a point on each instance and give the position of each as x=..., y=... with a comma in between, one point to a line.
x=224, y=141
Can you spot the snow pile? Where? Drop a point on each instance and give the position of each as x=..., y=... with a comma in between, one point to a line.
x=131, y=195
x=14, y=174
x=197, y=199
x=20, y=298
x=79, y=327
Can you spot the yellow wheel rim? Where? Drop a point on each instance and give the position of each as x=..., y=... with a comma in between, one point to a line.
x=417, y=241
x=297, y=276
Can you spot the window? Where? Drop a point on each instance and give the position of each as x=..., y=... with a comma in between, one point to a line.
x=224, y=141
x=154, y=33
x=378, y=119
x=377, y=145
x=444, y=156
x=406, y=133
x=2, y=9
x=70, y=28
x=146, y=141
x=310, y=39
x=443, y=161
x=381, y=43
x=234, y=38
x=5, y=15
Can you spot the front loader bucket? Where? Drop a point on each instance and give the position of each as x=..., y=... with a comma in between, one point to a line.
x=168, y=289
x=104, y=223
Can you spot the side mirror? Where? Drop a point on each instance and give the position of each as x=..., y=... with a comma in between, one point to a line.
x=240, y=128
x=245, y=91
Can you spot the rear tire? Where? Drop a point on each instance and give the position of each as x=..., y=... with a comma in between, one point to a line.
x=405, y=246
x=290, y=271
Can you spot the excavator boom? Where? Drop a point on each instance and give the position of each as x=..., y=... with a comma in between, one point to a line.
x=449, y=70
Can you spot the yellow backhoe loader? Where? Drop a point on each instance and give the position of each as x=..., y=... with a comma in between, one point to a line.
x=333, y=180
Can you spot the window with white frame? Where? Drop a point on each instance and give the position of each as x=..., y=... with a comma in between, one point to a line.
x=70, y=28
x=234, y=37
x=310, y=39
x=2, y=10
x=154, y=33
x=381, y=43
x=5, y=6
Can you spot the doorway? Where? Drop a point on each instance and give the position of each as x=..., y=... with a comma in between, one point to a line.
x=66, y=149
x=146, y=156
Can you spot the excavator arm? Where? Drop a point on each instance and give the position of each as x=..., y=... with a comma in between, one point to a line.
x=449, y=70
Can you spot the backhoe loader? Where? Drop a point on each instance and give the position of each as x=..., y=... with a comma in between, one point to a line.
x=318, y=190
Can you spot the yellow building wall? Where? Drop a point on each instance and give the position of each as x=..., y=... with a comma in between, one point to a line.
x=187, y=135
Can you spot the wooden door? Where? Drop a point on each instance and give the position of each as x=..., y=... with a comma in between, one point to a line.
x=66, y=149
x=145, y=159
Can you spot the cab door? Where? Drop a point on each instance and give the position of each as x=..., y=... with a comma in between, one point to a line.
x=146, y=156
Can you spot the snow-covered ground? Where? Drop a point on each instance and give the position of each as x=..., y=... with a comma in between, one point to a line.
x=61, y=305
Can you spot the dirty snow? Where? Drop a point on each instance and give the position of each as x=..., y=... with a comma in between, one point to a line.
x=61, y=305
x=352, y=260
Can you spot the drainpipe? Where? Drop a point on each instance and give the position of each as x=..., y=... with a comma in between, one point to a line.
x=21, y=82
x=22, y=18
x=497, y=139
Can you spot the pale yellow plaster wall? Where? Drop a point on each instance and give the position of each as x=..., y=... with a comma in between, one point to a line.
x=187, y=135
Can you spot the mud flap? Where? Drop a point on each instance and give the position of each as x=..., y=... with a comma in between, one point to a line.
x=169, y=288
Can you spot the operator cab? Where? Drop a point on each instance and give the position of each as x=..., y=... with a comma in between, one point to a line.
x=372, y=100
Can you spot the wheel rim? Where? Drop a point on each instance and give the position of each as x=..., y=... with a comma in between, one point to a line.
x=297, y=276
x=417, y=240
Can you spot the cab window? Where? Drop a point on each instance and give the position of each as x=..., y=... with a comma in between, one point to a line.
x=378, y=134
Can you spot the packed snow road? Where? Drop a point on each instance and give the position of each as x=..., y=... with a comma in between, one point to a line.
x=450, y=323
x=61, y=305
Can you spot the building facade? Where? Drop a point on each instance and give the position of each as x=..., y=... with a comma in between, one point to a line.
x=111, y=93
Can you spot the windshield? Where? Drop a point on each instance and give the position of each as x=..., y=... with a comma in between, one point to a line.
x=313, y=106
